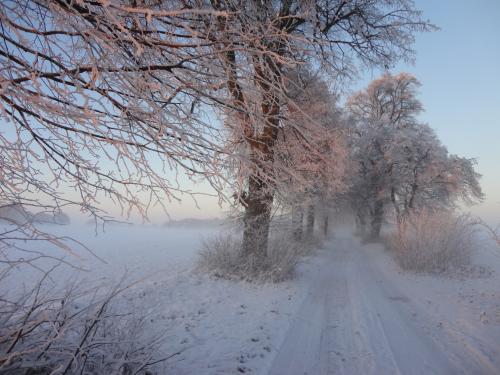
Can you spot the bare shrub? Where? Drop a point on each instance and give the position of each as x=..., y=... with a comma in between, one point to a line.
x=75, y=332
x=434, y=242
x=219, y=252
x=222, y=256
x=284, y=254
x=75, y=329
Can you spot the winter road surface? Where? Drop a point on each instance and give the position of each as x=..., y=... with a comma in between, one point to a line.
x=360, y=317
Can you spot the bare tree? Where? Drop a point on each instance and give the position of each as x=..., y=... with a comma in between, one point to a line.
x=425, y=175
x=99, y=99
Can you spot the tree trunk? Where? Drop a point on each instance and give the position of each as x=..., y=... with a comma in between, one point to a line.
x=397, y=208
x=297, y=220
x=310, y=221
x=376, y=220
x=325, y=224
x=256, y=220
x=259, y=199
x=360, y=222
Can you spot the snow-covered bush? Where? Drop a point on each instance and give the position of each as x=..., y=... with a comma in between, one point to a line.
x=48, y=326
x=75, y=332
x=222, y=256
x=434, y=241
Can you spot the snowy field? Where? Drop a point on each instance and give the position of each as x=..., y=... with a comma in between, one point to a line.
x=350, y=310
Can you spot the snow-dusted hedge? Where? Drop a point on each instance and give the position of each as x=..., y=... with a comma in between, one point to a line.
x=434, y=241
x=221, y=256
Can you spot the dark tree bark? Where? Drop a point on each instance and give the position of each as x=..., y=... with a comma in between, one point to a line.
x=325, y=224
x=297, y=221
x=310, y=220
x=256, y=220
x=260, y=189
x=258, y=199
x=377, y=216
x=360, y=222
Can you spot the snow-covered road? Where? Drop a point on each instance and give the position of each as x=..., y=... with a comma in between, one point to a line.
x=362, y=316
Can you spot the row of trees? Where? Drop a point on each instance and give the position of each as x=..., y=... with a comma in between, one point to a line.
x=387, y=164
x=104, y=96
x=378, y=160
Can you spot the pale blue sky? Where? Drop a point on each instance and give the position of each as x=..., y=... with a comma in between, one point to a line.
x=459, y=68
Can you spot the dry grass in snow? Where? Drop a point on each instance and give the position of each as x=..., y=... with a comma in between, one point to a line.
x=434, y=242
x=221, y=256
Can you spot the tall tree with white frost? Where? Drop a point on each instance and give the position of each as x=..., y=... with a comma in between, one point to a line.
x=378, y=113
x=399, y=160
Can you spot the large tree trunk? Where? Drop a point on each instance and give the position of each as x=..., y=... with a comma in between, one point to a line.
x=377, y=216
x=256, y=220
x=310, y=220
x=259, y=198
x=297, y=220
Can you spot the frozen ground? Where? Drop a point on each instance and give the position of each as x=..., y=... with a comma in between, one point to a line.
x=350, y=310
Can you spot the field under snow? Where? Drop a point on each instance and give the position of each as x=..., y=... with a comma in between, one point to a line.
x=350, y=310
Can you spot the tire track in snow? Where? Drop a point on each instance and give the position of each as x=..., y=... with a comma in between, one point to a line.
x=356, y=321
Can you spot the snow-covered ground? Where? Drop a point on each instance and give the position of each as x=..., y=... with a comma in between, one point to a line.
x=138, y=251
x=363, y=315
x=350, y=310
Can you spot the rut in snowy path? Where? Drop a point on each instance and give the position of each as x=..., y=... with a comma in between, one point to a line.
x=358, y=319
